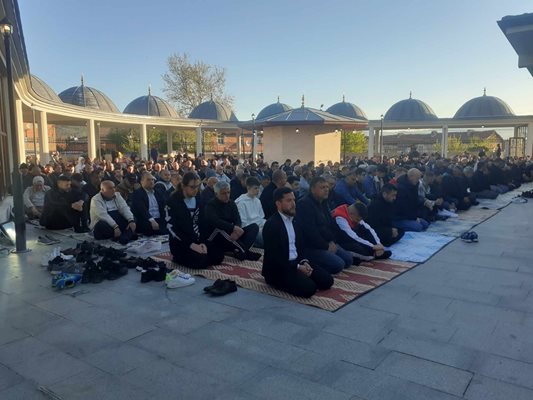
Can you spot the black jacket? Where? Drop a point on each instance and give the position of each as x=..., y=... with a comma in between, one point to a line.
x=223, y=216
x=236, y=188
x=380, y=213
x=55, y=200
x=276, y=244
x=316, y=223
x=140, y=205
x=207, y=194
x=180, y=221
x=407, y=202
x=267, y=200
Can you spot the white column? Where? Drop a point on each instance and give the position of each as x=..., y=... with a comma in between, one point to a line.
x=239, y=143
x=199, y=141
x=144, y=142
x=371, y=141
x=529, y=139
x=254, y=146
x=445, y=141
x=169, y=142
x=91, y=140
x=43, y=138
x=20, y=131
x=8, y=125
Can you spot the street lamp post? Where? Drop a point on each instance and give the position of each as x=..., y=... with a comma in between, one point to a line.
x=381, y=140
x=253, y=136
x=18, y=206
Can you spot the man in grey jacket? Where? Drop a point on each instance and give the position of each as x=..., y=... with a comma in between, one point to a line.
x=111, y=217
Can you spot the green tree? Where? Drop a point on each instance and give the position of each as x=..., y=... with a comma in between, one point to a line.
x=354, y=142
x=188, y=83
x=125, y=140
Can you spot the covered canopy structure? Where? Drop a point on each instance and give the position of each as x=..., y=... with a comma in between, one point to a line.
x=519, y=31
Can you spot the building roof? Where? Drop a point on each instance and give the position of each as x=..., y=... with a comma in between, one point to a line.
x=484, y=107
x=347, y=109
x=410, y=110
x=519, y=31
x=151, y=105
x=42, y=89
x=273, y=109
x=408, y=139
x=213, y=110
x=85, y=96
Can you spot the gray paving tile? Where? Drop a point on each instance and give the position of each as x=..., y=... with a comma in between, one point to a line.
x=76, y=339
x=504, y=369
x=10, y=334
x=392, y=388
x=272, y=384
x=8, y=378
x=427, y=373
x=443, y=353
x=26, y=390
x=166, y=381
x=120, y=360
x=423, y=328
x=483, y=388
x=350, y=350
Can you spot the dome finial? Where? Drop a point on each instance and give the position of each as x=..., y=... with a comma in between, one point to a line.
x=81, y=79
x=303, y=101
x=343, y=98
x=211, y=96
x=278, y=99
x=484, y=91
x=410, y=94
x=149, y=89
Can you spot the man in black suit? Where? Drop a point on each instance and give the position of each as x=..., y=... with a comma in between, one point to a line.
x=283, y=265
x=148, y=207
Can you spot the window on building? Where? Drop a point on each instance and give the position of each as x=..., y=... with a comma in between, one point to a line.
x=220, y=138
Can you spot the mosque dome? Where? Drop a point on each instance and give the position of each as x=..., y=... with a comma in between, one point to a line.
x=213, y=110
x=85, y=96
x=483, y=107
x=346, y=109
x=410, y=110
x=151, y=105
x=43, y=90
x=273, y=109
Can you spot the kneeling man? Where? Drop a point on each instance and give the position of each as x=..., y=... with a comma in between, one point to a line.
x=283, y=266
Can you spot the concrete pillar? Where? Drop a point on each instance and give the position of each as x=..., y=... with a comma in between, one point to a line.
x=20, y=131
x=144, y=142
x=371, y=142
x=529, y=139
x=199, y=141
x=445, y=141
x=91, y=140
x=43, y=138
x=169, y=142
x=8, y=126
x=254, y=145
x=238, y=136
x=515, y=131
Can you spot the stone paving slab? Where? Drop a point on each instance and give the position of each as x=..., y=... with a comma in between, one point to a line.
x=458, y=326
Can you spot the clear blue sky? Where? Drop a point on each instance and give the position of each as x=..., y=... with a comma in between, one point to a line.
x=373, y=51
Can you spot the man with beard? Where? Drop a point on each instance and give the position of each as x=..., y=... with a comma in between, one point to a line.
x=283, y=265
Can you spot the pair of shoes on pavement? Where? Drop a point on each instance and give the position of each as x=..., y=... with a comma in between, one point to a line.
x=469, y=237
x=65, y=281
x=55, y=257
x=176, y=279
x=221, y=287
x=246, y=255
x=47, y=240
x=157, y=274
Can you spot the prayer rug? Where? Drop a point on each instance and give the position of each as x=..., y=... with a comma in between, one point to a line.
x=463, y=223
x=349, y=284
x=418, y=246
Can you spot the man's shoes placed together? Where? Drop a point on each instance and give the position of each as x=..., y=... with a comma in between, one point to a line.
x=176, y=279
x=470, y=237
x=221, y=287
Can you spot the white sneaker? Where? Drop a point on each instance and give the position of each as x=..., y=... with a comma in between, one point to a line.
x=176, y=279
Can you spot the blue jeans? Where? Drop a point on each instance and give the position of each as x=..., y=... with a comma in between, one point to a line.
x=331, y=262
x=411, y=225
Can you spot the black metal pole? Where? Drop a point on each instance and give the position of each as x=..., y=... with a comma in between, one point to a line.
x=18, y=205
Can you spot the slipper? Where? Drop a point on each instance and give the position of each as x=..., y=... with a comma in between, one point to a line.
x=470, y=237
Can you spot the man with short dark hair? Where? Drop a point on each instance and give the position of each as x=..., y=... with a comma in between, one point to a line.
x=148, y=207
x=381, y=214
x=408, y=203
x=63, y=208
x=279, y=179
x=225, y=225
x=283, y=264
x=316, y=222
x=346, y=189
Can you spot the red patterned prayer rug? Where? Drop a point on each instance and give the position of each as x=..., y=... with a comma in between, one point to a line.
x=349, y=284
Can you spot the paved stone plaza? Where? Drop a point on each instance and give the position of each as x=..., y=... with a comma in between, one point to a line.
x=457, y=326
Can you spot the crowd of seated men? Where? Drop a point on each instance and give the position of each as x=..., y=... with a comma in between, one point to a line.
x=313, y=221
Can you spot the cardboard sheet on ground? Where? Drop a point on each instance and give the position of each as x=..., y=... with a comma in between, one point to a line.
x=418, y=246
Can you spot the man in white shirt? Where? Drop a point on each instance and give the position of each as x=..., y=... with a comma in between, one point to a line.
x=250, y=208
x=148, y=207
x=355, y=235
